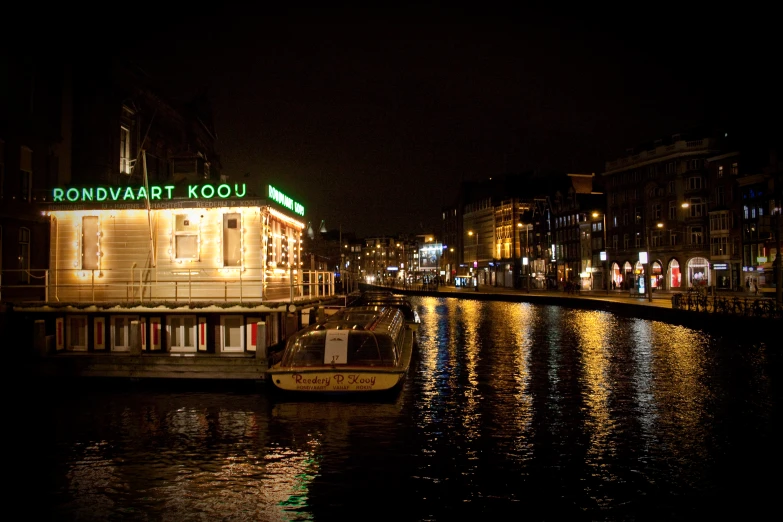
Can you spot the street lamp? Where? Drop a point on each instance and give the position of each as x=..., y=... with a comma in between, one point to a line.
x=604, y=254
x=471, y=233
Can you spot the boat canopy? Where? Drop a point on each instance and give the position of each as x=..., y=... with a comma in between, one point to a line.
x=363, y=336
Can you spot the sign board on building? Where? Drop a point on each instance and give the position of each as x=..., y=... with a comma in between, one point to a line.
x=281, y=199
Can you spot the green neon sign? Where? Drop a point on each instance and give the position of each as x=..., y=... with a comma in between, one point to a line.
x=156, y=192
x=280, y=198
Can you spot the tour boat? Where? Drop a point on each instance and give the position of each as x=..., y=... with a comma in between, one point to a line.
x=357, y=349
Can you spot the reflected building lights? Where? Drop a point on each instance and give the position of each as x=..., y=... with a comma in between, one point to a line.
x=593, y=329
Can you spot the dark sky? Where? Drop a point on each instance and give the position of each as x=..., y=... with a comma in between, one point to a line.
x=372, y=119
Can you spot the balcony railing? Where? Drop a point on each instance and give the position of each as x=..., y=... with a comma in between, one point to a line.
x=150, y=285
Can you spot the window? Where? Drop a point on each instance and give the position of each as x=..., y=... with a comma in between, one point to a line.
x=694, y=164
x=673, y=239
x=186, y=238
x=91, y=243
x=656, y=212
x=121, y=332
x=671, y=167
x=697, y=236
x=720, y=171
x=734, y=169
x=637, y=242
x=24, y=255
x=126, y=140
x=720, y=221
x=125, y=158
x=232, y=240
x=672, y=210
x=615, y=241
x=637, y=215
x=25, y=173
x=76, y=333
x=656, y=238
x=672, y=187
x=626, y=242
x=694, y=183
x=696, y=207
x=182, y=333
x=720, y=196
x=719, y=245
x=232, y=333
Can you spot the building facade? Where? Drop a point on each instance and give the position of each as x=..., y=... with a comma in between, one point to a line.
x=657, y=202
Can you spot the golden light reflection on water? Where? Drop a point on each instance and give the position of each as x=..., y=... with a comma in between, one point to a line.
x=594, y=332
x=678, y=370
x=516, y=404
x=190, y=477
x=472, y=316
x=507, y=404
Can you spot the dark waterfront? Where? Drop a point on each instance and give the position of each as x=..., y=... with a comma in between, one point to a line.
x=510, y=410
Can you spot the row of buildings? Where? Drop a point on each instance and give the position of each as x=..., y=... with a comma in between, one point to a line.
x=694, y=209
x=703, y=206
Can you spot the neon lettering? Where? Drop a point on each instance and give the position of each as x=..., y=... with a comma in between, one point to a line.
x=207, y=191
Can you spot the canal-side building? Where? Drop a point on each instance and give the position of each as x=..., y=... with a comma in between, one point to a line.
x=657, y=202
x=572, y=209
x=150, y=251
x=162, y=270
x=34, y=148
x=758, y=178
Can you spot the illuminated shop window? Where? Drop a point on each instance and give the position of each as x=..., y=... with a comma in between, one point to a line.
x=186, y=237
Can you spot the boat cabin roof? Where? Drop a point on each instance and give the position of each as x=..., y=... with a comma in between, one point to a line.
x=382, y=298
x=355, y=336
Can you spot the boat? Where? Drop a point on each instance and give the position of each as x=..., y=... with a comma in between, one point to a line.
x=386, y=298
x=357, y=349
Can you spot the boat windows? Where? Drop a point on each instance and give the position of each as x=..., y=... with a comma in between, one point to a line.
x=364, y=349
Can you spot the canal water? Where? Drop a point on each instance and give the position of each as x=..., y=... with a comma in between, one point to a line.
x=511, y=410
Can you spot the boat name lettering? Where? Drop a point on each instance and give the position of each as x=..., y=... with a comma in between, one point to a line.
x=301, y=379
x=354, y=379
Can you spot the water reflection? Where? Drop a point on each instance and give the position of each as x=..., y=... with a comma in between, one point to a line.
x=560, y=414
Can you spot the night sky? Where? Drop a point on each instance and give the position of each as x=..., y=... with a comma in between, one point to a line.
x=373, y=118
